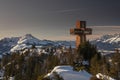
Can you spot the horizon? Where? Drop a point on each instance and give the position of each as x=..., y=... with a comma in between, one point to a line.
x=53, y=19
x=113, y=30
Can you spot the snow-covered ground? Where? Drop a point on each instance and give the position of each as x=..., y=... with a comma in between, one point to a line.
x=67, y=73
x=104, y=77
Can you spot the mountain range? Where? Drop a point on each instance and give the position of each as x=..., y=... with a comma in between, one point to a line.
x=18, y=43
x=106, y=42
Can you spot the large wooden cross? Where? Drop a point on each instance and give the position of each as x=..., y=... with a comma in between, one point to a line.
x=80, y=31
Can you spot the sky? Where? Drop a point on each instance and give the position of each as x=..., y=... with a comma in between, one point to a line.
x=52, y=19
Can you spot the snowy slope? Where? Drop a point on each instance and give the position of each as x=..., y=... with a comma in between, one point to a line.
x=101, y=76
x=107, y=42
x=7, y=43
x=67, y=73
x=26, y=41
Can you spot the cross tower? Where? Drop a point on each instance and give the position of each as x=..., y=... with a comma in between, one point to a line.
x=80, y=31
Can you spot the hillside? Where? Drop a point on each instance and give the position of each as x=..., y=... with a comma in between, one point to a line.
x=107, y=42
x=19, y=43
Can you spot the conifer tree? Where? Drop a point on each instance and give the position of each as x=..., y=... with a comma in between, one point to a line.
x=87, y=51
x=115, y=66
x=95, y=66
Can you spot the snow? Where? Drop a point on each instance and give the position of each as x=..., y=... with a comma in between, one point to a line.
x=7, y=43
x=28, y=39
x=0, y=56
x=14, y=44
x=114, y=39
x=67, y=73
x=1, y=74
x=11, y=78
x=20, y=47
x=107, y=42
x=101, y=76
x=25, y=42
x=85, y=63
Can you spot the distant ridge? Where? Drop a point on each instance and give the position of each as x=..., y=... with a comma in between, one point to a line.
x=17, y=43
x=108, y=42
x=7, y=43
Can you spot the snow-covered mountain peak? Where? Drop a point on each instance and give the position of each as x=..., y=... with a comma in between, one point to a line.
x=28, y=39
x=115, y=38
x=108, y=42
x=27, y=36
x=105, y=37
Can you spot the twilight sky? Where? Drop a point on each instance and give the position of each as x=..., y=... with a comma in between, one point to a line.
x=52, y=19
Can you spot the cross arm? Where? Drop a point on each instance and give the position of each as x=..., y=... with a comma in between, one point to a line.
x=81, y=31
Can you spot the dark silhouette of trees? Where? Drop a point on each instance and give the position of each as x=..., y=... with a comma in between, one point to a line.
x=87, y=51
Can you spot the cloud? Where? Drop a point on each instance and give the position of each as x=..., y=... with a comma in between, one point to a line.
x=101, y=30
x=98, y=31
x=67, y=10
x=68, y=38
x=93, y=36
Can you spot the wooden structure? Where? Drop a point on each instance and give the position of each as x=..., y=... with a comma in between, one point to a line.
x=80, y=31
